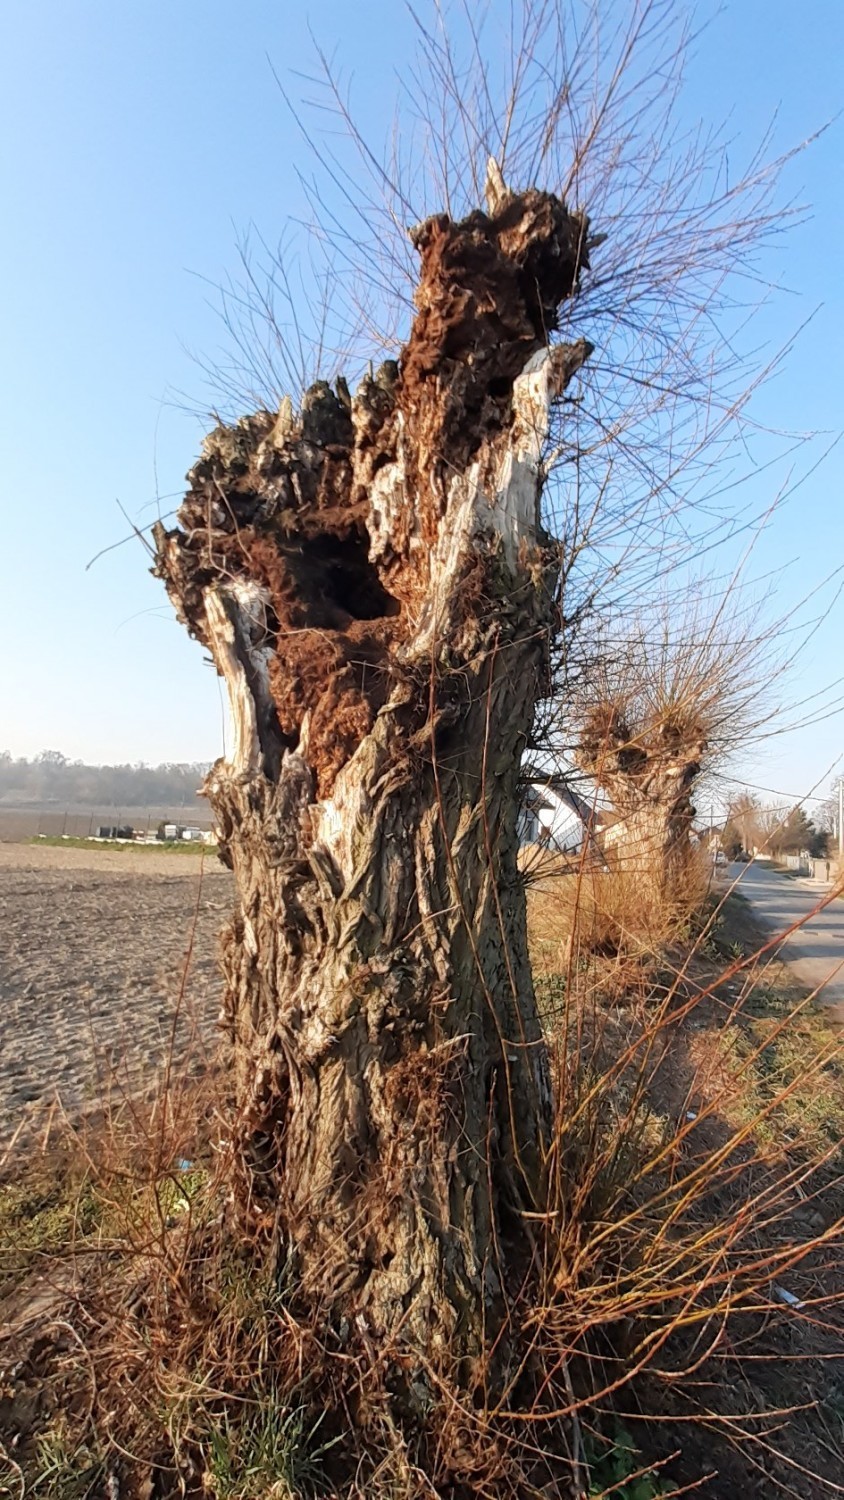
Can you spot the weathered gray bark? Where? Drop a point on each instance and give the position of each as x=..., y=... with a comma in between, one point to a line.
x=372, y=581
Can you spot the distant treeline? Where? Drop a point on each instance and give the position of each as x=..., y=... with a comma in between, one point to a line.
x=51, y=779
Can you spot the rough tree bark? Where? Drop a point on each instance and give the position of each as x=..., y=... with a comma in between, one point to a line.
x=371, y=579
x=649, y=773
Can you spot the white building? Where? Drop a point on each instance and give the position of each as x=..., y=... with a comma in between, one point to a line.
x=554, y=816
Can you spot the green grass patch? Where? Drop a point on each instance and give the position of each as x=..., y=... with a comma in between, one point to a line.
x=617, y=1469
x=271, y=1449
x=162, y=846
x=50, y=1214
x=66, y=1469
x=43, y=1218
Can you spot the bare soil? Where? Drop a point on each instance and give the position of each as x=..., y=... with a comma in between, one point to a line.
x=107, y=960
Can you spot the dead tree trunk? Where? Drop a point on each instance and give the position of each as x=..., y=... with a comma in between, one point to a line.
x=372, y=581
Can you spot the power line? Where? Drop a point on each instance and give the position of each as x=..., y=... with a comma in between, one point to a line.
x=772, y=790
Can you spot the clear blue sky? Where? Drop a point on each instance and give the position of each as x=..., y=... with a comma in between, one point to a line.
x=139, y=138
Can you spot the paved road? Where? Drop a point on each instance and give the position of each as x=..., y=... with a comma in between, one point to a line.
x=816, y=951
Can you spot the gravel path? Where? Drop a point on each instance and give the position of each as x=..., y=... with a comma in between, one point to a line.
x=92, y=957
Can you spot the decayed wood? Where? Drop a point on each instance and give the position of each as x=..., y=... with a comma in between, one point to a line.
x=372, y=581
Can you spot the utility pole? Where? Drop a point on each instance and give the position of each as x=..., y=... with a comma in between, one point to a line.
x=841, y=820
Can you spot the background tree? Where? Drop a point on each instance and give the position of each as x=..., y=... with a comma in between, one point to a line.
x=53, y=779
x=792, y=832
x=820, y=843
x=828, y=815
x=744, y=825
x=670, y=699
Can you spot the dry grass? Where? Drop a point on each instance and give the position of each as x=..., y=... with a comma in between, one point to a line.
x=699, y=1159
x=85, y=1217
x=695, y=1174
x=610, y=928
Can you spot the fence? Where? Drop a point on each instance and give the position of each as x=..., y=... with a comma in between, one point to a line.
x=82, y=822
x=815, y=869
